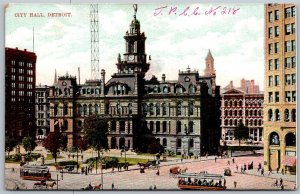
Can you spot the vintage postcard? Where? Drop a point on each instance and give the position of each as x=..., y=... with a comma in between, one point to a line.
x=171, y=96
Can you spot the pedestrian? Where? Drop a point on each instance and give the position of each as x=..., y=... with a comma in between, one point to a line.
x=157, y=173
x=237, y=168
x=181, y=159
x=150, y=188
x=277, y=170
x=245, y=166
x=112, y=186
x=282, y=187
x=62, y=175
x=215, y=159
x=112, y=168
x=233, y=160
x=154, y=188
x=228, y=162
x=276, y=183
x=234, y=184
x=282, y=171
x=281, y=181
x=206, y=155
x=262, y=172
x=295, y=187
x=241, y=169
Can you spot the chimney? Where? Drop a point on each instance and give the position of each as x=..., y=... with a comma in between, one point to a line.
x=163, y=77
x=78, y=75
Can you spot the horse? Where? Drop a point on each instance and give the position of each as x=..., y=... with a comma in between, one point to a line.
x=40, y=185
x=183, y=170
x=51, y=185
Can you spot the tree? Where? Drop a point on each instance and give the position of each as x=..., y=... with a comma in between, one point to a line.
x=53, y=142
x=95, y=133
x=241, y=132
x=10, y=144
x=28, y=144
x=81, y=144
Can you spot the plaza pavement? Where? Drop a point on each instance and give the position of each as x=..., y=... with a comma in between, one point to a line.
x=133, y=179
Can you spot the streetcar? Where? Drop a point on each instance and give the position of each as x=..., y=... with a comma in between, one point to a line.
x=201, y=181
x=35, y=172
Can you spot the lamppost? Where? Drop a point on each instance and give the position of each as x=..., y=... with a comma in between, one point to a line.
x=187, y=132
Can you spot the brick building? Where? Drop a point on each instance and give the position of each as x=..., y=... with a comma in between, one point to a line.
x=242, y=105
x=19, y=93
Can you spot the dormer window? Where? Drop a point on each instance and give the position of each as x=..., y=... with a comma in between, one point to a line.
x=179, y=90
x=187, y=79
x=192, y=89
x=156, y=89
x=166, y=89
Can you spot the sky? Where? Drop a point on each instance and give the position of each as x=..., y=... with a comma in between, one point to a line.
x=174, y=41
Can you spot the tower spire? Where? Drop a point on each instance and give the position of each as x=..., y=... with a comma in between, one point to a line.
x=209, y=64
x=55, y=77
x=135, y=8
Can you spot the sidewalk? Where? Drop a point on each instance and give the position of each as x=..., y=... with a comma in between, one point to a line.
x=273, y=175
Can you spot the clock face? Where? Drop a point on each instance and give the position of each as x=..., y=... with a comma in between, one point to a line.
x=130, y=57
x=64, y=83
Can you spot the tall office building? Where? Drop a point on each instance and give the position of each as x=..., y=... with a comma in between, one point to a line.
x=280, y=88
x=19, y=93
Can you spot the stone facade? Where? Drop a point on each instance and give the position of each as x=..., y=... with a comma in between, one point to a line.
x=242, y=105
x=280, y=87
x=183, y=114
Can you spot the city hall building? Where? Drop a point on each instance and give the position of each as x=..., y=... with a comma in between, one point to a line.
x=183, y=115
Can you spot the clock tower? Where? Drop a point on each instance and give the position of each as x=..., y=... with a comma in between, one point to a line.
x=134, y=59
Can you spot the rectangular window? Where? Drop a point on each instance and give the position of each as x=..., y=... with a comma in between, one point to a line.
x=293, y=11
x=277, y=64
x=293, y=96
x=288, y=96
x=293, y=45
x=293, y=28
x=270, y=81
x=276, y=96
x=270, y=16
x=293, y=79
x=276, y=14
x=270, y=97
x=276, y=80
x=288, y=29
x=287, y=12
x=270, y=64
x=288, y=62
x=270, y=48
x=288, y=79
x=270, y=32
x=287, y=46
x=276, y=31
x=276, y=47
x=293, y=62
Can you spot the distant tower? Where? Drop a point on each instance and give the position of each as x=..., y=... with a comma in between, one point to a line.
x=209, y=65
x=55, y=77
x=94, y=41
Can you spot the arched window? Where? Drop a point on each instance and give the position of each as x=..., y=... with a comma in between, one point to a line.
x=118, y=107
x=247, y=122
x=250, y=112
x=225, y=103
x=247, y=112
x=157, y=126
x=230, y=122
x=191, y=143
x=55, y=109
x=96, y=109
x=230, y=112
x=192, y=89
x=290, y=139
x=255, y=122
x=178, y=108
x=145, y=108
x=293, y=115
x=240, y=103
x=259, y=113
x=178, y=142
x=79, y=109
x=226, y=113
x=255, y=112
x=270, y=115
x=84, y=109
x=165, y=89
x=90, y=109
x=240, y=113
x=230, y=103
x=259, y=122
x=151, y=125
x=251, y=122
x=286, y=115
x=235, y=122
x=65, y=108
x=226, y=122
x=178, y=126
x=274, y=139
x=277, y=115
x=122, y=126
x=235, y=112
x=191, y=108
x=240, y=121
x=164, y=109
x=151, y=109
x=164, y=142
x=79, y=125
x=191, y=127
x=113, y=126
x=164, y=125
x=235, y=103
x=129, y=108
x=157, y=107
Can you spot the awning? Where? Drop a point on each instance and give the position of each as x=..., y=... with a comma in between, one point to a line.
x=289, y=161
